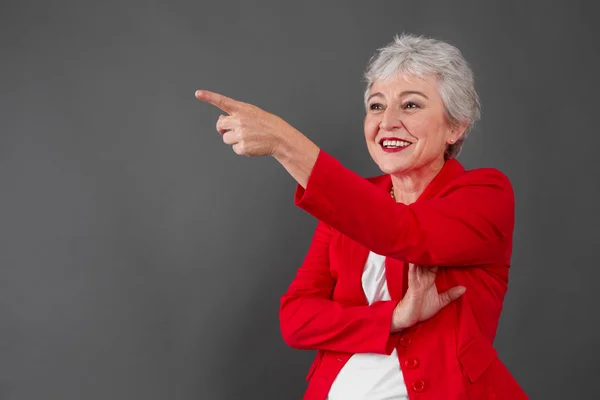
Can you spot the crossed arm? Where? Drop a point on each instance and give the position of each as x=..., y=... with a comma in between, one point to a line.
x=309, y=319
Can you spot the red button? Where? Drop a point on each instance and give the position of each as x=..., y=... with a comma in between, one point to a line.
x=405, y=341
x=418, y=386
x=411, y=363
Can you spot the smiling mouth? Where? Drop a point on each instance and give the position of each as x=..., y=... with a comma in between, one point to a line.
x=392, y=144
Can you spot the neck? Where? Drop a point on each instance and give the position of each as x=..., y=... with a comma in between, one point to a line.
x=409, y=186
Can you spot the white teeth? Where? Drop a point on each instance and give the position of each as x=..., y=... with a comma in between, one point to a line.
x=395, y=143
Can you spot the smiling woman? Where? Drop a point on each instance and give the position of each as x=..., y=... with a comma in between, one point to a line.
x=406, y=114
x=380, y=292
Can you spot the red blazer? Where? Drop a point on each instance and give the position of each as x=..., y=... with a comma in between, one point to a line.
x=462, y=222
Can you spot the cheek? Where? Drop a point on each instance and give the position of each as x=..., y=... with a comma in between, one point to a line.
x=370, y=128
x=418, y=127
x=426, y=129
x=370, y=133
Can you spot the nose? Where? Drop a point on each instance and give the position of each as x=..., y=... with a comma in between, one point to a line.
x=390, y=121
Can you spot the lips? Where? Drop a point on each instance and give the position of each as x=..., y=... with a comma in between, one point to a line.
x=393, y=144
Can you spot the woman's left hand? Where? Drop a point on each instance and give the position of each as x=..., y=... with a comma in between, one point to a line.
x=250, y=130
x=422, y=300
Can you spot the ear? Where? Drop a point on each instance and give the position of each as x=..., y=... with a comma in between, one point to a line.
x=456, y=133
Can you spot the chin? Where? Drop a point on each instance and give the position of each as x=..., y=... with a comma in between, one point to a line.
x=394, y=168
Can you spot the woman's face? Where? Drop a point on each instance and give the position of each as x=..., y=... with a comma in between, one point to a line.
x=406, y=126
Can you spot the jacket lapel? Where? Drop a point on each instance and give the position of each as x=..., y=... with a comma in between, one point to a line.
x=357, y=258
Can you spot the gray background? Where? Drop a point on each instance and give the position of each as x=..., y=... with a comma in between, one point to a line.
x=140, y=258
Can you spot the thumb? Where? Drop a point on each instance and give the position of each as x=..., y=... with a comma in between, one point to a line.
x=452, y=294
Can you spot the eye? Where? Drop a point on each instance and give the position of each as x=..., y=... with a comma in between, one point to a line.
x=410, y=105
x=375, y=106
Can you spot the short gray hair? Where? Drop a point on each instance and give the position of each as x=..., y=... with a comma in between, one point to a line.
x=420, y=56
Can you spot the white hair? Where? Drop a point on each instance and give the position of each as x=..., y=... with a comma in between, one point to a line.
x=420, y=56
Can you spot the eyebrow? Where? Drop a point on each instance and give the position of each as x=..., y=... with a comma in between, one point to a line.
x=401, y=94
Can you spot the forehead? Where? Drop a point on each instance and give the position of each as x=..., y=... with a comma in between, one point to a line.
x=428, y=84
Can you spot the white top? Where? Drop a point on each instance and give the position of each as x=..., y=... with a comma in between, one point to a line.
x=370, y=376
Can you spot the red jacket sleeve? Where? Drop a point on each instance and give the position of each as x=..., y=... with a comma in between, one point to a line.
x=471, y=223
x=309, y=319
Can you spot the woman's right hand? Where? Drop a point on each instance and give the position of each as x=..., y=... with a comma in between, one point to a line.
x=422, y=300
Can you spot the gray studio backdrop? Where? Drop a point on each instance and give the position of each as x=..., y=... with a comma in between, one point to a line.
x=140, y=258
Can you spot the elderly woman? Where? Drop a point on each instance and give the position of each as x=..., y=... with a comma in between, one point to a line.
x=380, y=292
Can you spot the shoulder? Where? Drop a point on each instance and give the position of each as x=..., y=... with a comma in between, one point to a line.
x=483, y=177
x=485, y=192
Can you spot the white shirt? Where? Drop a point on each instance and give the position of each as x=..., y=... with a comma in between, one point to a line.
x=370, y=376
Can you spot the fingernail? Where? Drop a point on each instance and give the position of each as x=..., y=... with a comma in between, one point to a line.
x=198, y=93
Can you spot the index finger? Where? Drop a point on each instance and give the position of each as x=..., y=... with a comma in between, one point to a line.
x=223, y=102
